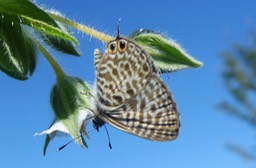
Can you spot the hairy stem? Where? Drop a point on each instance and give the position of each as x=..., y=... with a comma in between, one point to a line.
x=92, y=32
x=55, y=66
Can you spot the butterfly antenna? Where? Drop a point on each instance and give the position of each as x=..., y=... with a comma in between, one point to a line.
x=63, y=146
x=118, y=28
x=109, y=143
x=85, y=133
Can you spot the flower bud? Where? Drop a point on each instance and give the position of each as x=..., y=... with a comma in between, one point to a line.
x=70, y=100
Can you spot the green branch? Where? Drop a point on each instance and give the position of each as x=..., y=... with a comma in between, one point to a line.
x=94, y=33
x=55, y=66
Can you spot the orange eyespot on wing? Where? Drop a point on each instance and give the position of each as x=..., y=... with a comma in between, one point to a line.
x=121, y=45
x=112, y=47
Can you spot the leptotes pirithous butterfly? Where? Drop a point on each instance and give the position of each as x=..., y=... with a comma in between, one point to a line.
x=130, y=95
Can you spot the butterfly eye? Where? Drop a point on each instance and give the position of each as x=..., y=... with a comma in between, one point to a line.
x=122, y=45
x=112, y=47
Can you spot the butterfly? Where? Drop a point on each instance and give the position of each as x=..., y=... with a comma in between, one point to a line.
x=130, y=94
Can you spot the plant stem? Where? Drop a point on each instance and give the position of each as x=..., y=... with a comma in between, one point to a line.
x=55, y=66
x=94, y=33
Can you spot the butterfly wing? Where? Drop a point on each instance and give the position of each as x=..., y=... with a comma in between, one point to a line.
x=131, y=96
x=121, y=75
x=152, y=114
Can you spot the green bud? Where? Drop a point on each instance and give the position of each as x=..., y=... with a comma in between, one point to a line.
x=70, y=100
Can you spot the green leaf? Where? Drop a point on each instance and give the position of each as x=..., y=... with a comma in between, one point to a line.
x=25, y=8
x=167, y=55
x=46, y=28
x=67, y=45
x=29, y=14
x=18, y=49
x=47, y=141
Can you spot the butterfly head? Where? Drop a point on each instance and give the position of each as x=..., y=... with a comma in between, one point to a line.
x=118, y=45
x=97, y=123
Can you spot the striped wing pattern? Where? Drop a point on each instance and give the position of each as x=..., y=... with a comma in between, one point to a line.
x=131, y=96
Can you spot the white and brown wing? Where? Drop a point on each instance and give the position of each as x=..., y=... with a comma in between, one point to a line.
x=131, y=96
x=121, y=73
x=152, y=114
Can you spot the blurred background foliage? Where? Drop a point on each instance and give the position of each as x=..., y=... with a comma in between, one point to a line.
x=239, y=76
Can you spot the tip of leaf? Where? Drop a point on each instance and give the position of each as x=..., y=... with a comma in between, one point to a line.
x=47, y=141
x=167, y=55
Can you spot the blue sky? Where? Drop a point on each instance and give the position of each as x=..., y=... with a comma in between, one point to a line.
x=203, y=28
